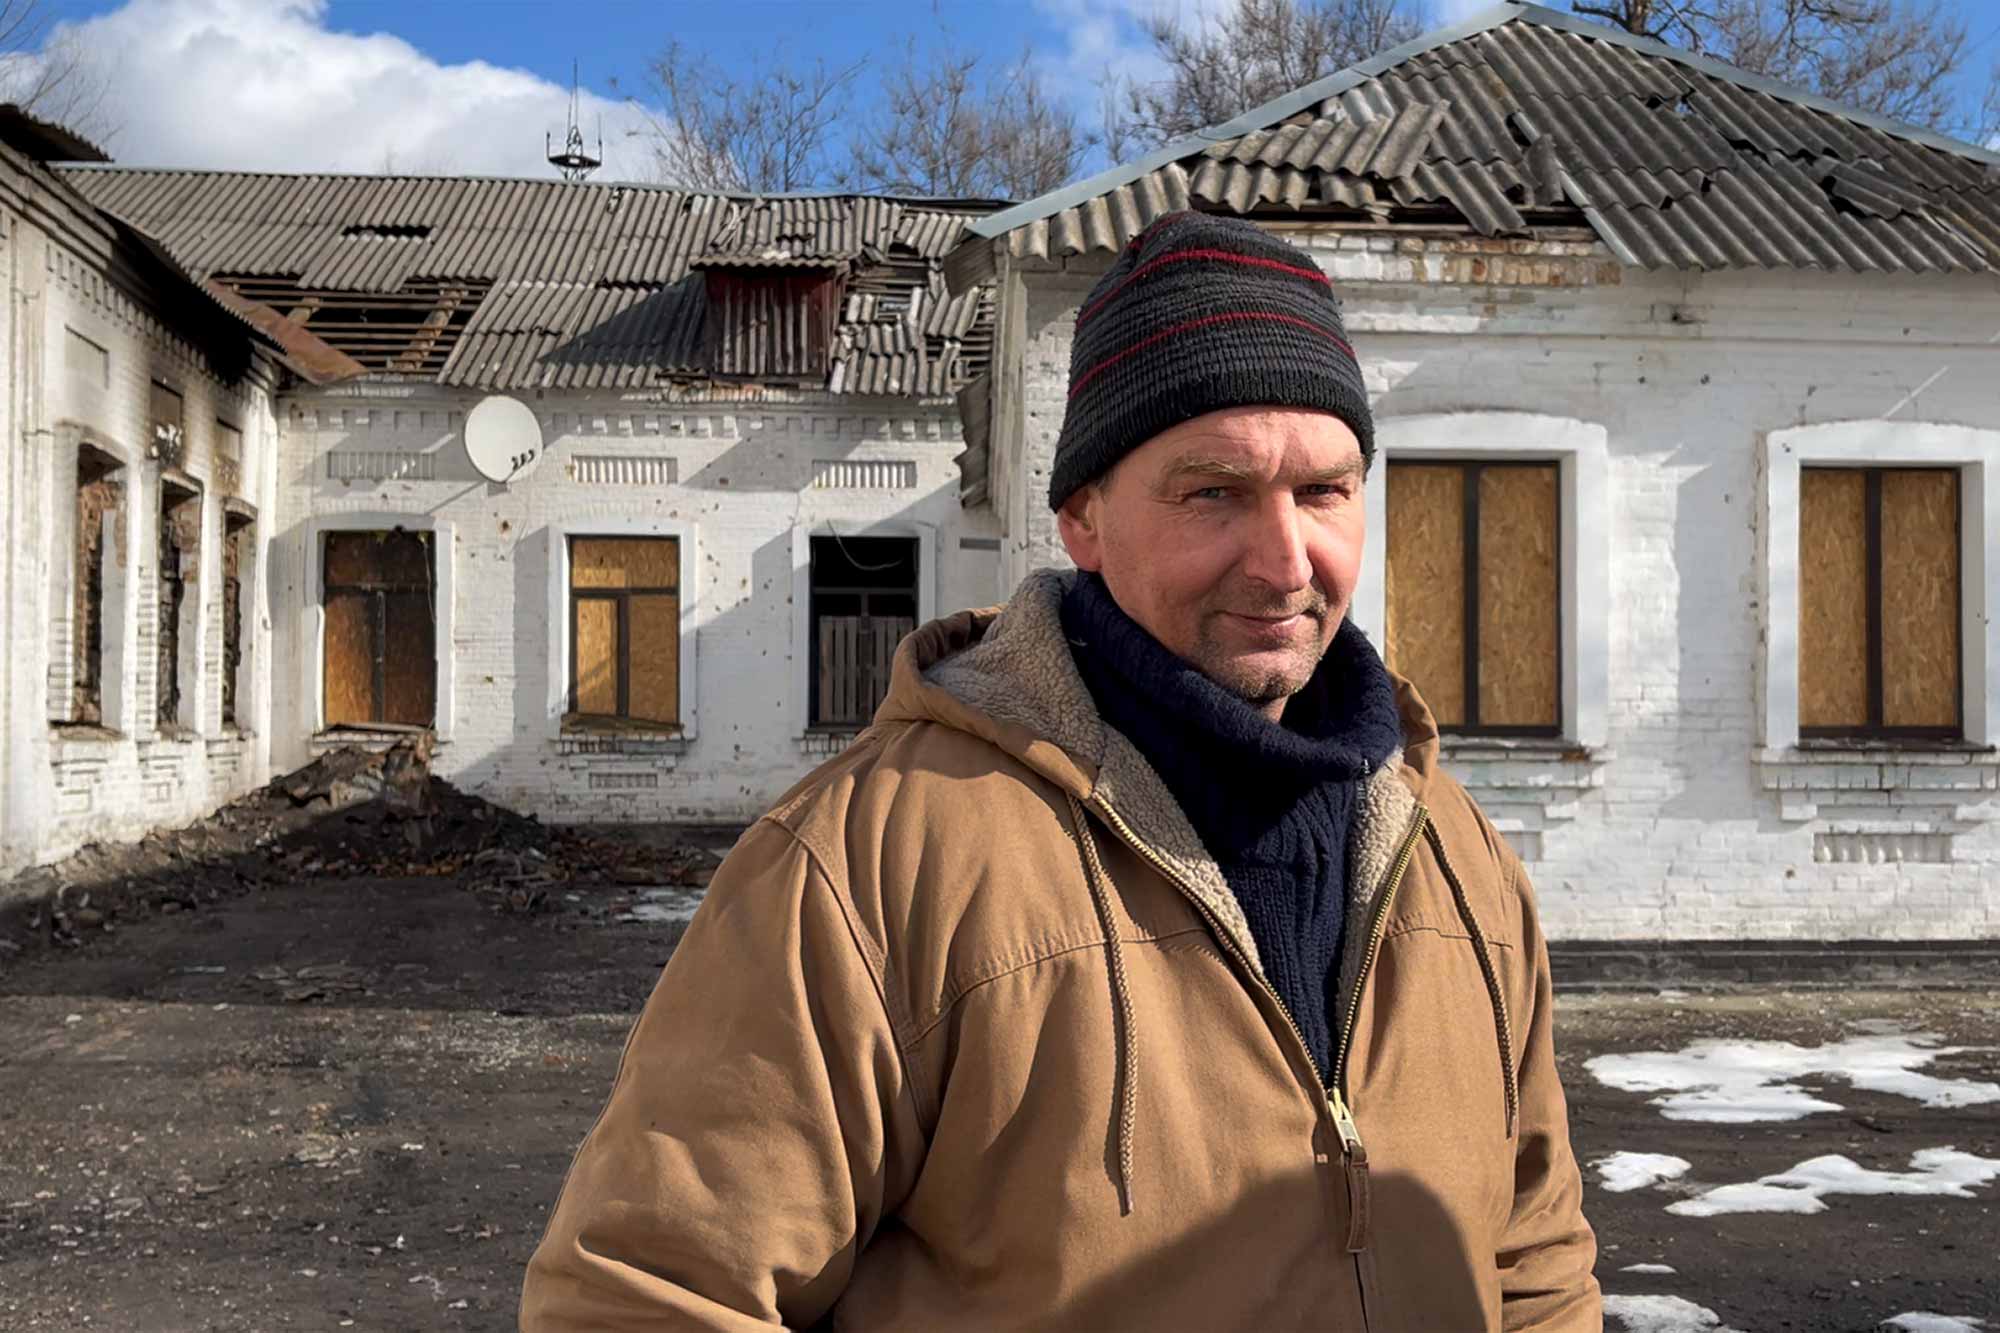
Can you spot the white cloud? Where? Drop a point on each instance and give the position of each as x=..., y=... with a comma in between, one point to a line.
x=266, y=85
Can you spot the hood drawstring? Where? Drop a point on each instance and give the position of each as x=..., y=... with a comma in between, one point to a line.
x=1128, y=1053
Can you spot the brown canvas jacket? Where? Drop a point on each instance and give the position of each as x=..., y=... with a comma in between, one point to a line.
x=969, y=1033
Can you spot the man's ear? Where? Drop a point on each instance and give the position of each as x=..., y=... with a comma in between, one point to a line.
x=1081, y=523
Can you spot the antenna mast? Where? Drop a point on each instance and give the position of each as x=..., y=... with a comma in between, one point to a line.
x=572, y=161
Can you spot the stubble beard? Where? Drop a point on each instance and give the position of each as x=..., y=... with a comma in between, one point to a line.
x=1265, y=681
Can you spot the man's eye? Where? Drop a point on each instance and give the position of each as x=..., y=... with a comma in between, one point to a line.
x=1209, y=493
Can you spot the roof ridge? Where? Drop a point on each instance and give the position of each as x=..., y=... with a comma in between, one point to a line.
x=945, y=203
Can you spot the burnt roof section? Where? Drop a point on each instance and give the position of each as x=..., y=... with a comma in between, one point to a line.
x=44, y=140
x=511, y=284
x=1522, y=117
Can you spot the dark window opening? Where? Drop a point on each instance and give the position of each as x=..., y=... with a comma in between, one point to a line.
x=381, y=629
x=1474, y=592
x=624, y=629
x=385, y=231
x=1879, y=604
x=238, y=555
x=179, y=603
x=863, y=602
x=167, y=436
x=100, y=495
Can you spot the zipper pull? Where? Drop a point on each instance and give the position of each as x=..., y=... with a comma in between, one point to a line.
x=1354, y=1167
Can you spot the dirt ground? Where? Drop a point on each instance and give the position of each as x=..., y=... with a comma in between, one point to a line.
x=348, y=1103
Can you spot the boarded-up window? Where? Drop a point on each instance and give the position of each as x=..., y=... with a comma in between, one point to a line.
x=100, y=495
x=625, y=628
x=1474, y=590
x=1879, y=602
x=381, y=629
x=864, y=600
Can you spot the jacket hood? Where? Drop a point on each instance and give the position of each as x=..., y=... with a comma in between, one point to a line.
x=1007, y=676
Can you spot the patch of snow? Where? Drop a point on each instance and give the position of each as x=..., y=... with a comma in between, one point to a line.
x=1923, y=1321
x=1623, y=1171
x=1647, y=1268
x=1940, y=1171
x=1662, y=1314
x=1740, y=1082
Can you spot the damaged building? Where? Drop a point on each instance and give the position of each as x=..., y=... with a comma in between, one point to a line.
x=1685, y=517
x=137, y=494
x=736, y=482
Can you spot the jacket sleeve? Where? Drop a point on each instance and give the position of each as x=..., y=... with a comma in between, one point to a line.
x=1548, y=1252
x=740, y=1164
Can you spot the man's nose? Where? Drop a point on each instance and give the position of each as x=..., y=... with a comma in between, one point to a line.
x=1276, y=554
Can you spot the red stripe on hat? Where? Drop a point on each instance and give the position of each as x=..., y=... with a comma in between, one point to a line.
x=1231, y=318
x=1220, y=256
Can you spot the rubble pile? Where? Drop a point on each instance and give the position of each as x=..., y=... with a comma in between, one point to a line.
x=351, y=812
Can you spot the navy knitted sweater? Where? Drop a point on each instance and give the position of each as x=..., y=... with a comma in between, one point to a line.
x=1273, y=803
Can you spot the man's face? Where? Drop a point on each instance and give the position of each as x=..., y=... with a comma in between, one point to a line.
x=1234, y=539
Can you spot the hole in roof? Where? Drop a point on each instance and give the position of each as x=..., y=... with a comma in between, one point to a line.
x=385, y=231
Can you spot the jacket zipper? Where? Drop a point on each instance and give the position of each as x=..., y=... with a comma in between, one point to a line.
x=1354, y=1154
x=1353, y=1150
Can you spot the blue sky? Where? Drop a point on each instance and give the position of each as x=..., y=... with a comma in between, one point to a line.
x=472, y=85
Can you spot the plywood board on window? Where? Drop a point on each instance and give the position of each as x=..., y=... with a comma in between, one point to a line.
x=1425, y=586
x=655, y=693
x=349, y=657
x=1520, y=591
x=1920, y=656
x=625, y=562
x=1833, y=597
x=597, y=656
x=409, y=683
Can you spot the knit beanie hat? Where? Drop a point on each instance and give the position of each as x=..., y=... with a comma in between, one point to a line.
x=1198, y=314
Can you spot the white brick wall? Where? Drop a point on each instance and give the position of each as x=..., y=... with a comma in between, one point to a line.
x=1675, y=827
x=63, y=789
x=744, y=483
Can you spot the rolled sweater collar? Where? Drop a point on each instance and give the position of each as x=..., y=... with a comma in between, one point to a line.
x=1212, y=748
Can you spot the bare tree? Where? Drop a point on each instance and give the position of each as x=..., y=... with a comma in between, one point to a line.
x=1221, y=66
x=1898, y=58
x=950, y=125
x=770, y=131
x=49, y=73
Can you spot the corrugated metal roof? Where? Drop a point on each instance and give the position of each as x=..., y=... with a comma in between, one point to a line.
x=1523, y=117
x=586, y=285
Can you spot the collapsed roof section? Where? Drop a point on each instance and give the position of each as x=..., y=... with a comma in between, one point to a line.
x=515, y=284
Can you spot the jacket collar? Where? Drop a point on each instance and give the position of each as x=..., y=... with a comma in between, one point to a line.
x=1006, y=675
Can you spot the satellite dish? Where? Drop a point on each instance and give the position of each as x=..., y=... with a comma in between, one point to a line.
x=502, y=438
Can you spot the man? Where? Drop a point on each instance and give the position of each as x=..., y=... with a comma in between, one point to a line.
x=1138, y=968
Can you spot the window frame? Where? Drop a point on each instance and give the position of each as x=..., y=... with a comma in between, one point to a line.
x=1875, y=729
x=815, y=592
x=443, y=565
x=825, y=525
x=1471, y=470
x=378, y=593
x=553, y=547
x=1975, y=453
x=1583, y=612
x=621, y=598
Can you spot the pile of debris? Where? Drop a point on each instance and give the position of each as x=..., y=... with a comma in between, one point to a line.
x=351, y=812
